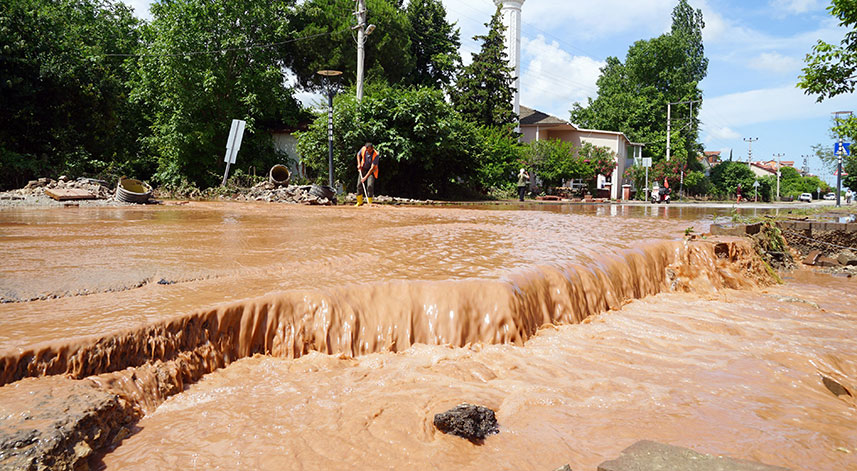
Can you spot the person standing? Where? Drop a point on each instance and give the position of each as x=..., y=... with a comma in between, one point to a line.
x=523, y=181
x=738, y=192
x=367, y=166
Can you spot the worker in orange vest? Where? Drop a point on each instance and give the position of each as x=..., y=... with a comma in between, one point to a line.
x=367, y=166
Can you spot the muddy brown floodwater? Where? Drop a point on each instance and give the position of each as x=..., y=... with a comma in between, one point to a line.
x=419, y=310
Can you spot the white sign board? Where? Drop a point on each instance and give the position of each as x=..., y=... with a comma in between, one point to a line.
x=647, y=162
x=756, y=184
x=236, y=134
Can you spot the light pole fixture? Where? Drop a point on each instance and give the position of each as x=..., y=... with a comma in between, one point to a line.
x=328, y=79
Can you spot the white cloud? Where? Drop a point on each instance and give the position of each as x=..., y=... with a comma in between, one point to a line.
x=796, y=6
x=776, y=62
x=553, y=79
x=765, y=105
x=720, y=133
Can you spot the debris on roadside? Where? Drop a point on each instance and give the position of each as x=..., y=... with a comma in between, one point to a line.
x=274, y=193
x=381, y=199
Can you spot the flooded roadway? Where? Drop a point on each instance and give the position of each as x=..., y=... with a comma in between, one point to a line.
x=717, y=370
x=737, y=373
x=220, y=252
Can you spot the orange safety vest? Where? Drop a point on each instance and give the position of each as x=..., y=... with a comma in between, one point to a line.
x=374, y=159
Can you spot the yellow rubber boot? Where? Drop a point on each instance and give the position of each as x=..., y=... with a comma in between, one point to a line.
x=369, y=200
x=360, y=200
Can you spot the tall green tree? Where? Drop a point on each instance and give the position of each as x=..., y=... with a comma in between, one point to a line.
x=434, y=43
x=633, y=96
x=388, y=49
x=484, y=89
x=427, y=149
x=64, y=106
x=831, y=70
x=202, y=68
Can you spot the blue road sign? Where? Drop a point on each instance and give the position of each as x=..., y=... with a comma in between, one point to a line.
x=846, y=145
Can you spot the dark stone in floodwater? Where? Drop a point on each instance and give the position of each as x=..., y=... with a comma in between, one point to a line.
x=163, y=281
x=55, y=423
x=467, y=421
x=652, y=456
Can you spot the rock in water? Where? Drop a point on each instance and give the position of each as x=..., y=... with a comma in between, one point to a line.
x=467, y=421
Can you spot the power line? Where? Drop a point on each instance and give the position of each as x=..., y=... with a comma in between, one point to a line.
x=229, y=49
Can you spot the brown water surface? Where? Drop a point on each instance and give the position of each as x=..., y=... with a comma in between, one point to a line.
x=730, y=372
x=220, y=252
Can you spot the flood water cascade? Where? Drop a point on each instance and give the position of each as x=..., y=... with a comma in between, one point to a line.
x=248, y=337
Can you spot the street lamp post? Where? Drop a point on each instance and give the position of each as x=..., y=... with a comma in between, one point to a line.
x=328, y=77
x=839, y=159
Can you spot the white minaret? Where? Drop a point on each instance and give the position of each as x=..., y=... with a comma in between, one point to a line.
x=511, y=10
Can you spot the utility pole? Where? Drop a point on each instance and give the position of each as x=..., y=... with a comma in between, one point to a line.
x=839, y=160
x=363, y=30
x=751, y=140
x=361, y=40
x=669, y=119
x=805, y=165
x=778, y=157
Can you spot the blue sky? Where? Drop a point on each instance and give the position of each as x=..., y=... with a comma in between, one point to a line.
x=755, y=48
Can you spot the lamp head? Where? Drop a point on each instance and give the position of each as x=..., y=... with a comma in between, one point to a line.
x=369, y=29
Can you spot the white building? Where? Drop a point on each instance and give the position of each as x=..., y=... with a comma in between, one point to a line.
x=538, y=126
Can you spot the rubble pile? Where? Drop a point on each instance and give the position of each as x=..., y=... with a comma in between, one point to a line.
x=272, y=193
x=352, y=198
x=97, y=188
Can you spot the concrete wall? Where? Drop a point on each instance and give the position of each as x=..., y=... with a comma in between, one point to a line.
x=288, y=143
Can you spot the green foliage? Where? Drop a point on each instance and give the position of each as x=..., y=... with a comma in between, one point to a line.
x=793, y=184
x=832, y=70
x=670, y=170
x=633, y=97
x=427, y=149
x=63, y=106
x=434, y=44
x=697, y=184
x=555, y=161
x=388, y=49
x=191, y=99
x=499, y=159
x=849, y=166
x=484, y=90
x=728, y=175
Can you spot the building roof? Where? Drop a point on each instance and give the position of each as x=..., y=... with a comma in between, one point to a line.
x=762, y=166
x=533, y=117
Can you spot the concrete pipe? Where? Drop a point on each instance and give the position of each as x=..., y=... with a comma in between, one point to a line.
x=279, y=175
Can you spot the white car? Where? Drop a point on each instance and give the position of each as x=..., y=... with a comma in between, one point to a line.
x=805, y=197
x=830, y=196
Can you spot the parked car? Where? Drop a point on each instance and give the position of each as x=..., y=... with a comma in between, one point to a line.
x=807, y=197
x=830, y=196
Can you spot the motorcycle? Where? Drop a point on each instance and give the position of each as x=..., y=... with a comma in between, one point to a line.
x=661, y=195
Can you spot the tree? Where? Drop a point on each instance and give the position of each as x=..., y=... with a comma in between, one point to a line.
x=500, y=157
x=331, y=43
x=832, y=70
x=201, y=69
x=434, y=43
x=427, y=149
x=484, y=90
x=727, y=175
x=633, y=96
x=64, y=105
